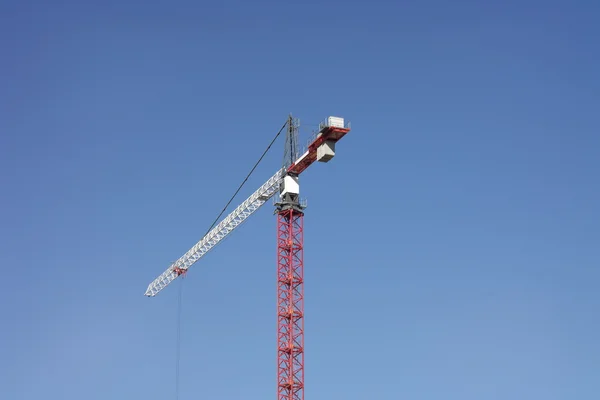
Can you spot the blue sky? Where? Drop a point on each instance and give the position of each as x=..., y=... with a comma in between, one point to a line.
x=451, y=245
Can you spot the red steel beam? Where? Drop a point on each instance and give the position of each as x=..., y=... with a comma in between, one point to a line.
x=290, y=305
x=329, y=133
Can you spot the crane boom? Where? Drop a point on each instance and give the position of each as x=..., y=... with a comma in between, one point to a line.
x=218, y=233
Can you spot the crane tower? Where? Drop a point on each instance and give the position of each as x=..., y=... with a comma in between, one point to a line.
x=290, y=247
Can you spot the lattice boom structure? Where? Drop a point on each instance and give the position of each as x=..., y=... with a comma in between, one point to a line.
x=232, y=221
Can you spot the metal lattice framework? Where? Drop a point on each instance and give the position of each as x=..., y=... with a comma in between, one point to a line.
x=290, y=305
x=290, y=248
x=218, y=233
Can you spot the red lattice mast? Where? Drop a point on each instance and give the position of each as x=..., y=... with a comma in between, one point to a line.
x=290, y=304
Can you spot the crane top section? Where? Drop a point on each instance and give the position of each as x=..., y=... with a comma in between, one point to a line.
x=322, y=148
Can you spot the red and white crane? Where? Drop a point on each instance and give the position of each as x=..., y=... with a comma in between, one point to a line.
x=290, y=246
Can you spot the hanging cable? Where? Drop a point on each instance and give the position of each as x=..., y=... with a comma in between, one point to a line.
x=178, y=342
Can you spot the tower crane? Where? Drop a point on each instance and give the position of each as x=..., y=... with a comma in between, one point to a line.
x=290, y=249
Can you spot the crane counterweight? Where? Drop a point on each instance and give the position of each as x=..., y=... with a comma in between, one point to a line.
x=330, y=132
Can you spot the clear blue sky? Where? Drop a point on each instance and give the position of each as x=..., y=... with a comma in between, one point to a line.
x=451, y=245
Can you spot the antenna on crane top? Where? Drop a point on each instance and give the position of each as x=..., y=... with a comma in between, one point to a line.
x=289, y=187
x=290, y=153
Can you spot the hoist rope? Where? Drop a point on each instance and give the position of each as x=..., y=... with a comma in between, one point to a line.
x=178, y=344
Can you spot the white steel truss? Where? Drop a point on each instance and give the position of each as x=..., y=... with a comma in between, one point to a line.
x=226, y=226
